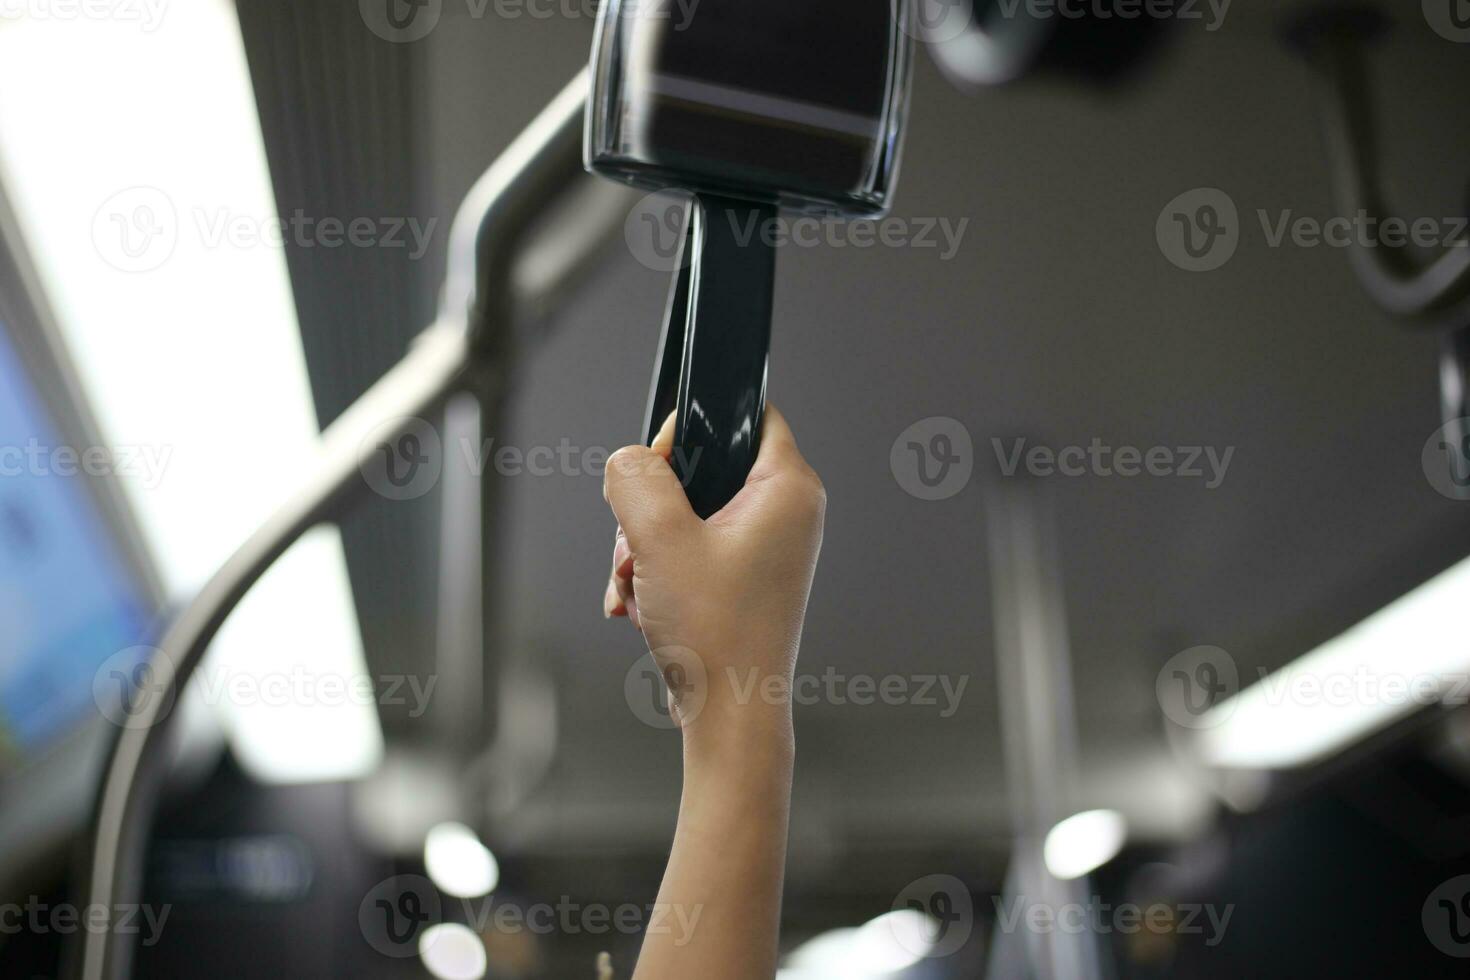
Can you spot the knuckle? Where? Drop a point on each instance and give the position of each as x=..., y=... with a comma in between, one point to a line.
x=626, y=462
x=808, y=492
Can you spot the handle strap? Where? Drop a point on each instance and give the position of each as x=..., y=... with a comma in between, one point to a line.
x=716, y=347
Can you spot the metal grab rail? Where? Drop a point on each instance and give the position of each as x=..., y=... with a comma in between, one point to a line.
x=1336, y=43
x=458, y=353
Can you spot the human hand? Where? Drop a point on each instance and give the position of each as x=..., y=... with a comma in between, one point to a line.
x=720, y=602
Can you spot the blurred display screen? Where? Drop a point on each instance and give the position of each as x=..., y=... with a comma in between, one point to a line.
x=68, y=602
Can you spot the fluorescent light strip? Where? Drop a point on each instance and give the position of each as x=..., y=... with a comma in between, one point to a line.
x=1413, y=652
x=187, y=342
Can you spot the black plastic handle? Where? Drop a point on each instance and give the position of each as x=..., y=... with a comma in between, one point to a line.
x=715, y=349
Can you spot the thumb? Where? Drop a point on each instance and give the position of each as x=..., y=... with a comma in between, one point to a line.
x=647, y=498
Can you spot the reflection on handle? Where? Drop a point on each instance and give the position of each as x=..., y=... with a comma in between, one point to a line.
x=717, y=341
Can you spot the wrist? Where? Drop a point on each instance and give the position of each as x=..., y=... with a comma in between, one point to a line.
x=731, y=737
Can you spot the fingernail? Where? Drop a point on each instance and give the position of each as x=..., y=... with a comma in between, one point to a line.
x=622, y=554
x=633, y=613
x=609, y=602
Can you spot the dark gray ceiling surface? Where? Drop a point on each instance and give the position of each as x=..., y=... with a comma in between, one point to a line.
x=1059, y=319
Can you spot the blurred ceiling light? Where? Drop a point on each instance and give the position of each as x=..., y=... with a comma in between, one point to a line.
x=451, y=951
x=825, y=955
x=1409, y=654
x=1084, y=842
x=896, y=940
x=887, y=945
x=459, y=863
x=133, y=156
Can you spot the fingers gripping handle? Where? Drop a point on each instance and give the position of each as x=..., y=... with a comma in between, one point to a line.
x=716, y=345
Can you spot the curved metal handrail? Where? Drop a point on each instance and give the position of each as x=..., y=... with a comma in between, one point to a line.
x=1336, y=42
x=456, y=353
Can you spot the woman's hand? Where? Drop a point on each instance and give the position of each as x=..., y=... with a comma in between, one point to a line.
x=721, y=604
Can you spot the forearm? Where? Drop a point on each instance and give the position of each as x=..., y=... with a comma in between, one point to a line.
x=721, y=894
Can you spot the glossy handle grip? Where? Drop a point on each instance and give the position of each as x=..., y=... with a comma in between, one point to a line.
x=716, y=346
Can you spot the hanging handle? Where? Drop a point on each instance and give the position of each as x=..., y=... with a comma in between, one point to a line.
x=716, y=344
